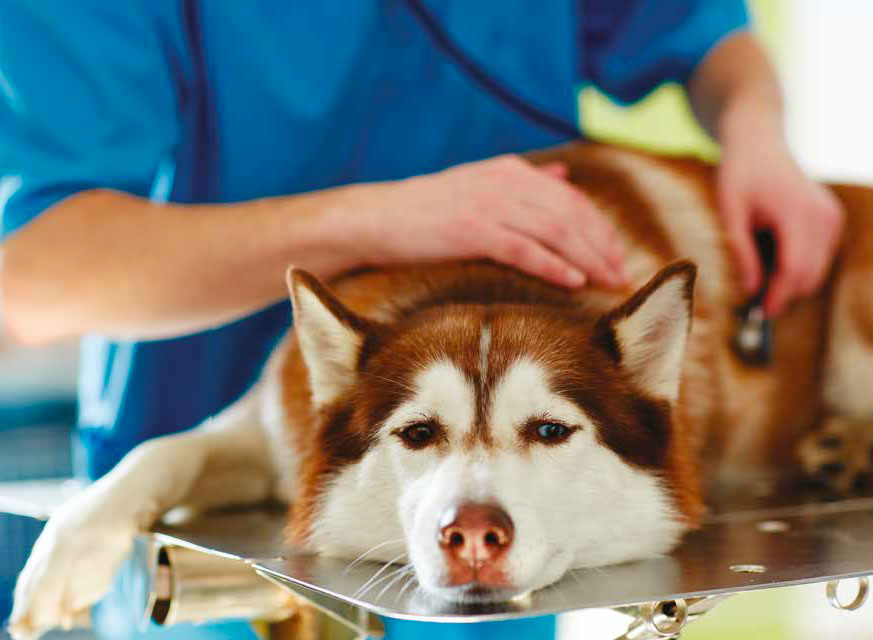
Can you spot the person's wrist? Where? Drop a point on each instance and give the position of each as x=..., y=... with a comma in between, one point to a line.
x=320, y=231
x=346, y=226
x=752, y=121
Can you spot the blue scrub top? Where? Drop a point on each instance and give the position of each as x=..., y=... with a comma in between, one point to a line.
x=208, y=101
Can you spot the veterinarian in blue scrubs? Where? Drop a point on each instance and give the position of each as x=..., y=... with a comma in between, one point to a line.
x=107, y=108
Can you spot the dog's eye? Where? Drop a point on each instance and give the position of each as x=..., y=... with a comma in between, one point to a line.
x=552, y=432
x=419, y=434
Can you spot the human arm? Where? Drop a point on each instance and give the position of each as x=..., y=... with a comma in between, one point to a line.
x=108, y=262
x=736, y=96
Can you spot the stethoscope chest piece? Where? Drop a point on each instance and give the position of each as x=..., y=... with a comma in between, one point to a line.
x=753, y=333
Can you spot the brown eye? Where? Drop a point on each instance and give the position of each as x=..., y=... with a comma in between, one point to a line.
x=419, y=434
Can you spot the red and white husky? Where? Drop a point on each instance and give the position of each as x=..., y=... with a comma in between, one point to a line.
x=500, y=431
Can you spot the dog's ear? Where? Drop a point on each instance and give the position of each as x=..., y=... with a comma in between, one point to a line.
x=330, y=336
x=647, y=334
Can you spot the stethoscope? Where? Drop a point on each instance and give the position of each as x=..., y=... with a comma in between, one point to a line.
x=753, y=340
x=205, y=171
x=491, y=85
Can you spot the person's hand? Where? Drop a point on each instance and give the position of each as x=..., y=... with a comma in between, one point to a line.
x=504, y=208
x=761, y=187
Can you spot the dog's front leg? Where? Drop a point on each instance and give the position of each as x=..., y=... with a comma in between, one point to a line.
x=82, y=546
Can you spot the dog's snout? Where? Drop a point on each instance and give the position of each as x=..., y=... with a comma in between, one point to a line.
x=474, y=538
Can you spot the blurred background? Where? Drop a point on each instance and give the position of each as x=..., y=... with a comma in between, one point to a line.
x=823, y=49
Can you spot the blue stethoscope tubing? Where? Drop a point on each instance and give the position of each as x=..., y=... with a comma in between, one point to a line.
x=205, y=178
x=491, y=85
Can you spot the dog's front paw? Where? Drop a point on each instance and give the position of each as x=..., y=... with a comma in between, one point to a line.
x=70, y=568
x=840, y=455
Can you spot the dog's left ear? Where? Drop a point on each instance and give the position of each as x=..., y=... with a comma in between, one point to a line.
x=330, y=336
x=647, y=334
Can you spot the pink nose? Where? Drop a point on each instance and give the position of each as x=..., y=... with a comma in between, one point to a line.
x=474, y=539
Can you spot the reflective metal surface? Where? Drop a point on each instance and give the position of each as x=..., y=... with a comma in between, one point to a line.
x=252, y=534
x=816, y=547
x=36, y=498
x=765, y=542
x=856, y=603
x=754, y=539
x=667, y=619
x=191, y=586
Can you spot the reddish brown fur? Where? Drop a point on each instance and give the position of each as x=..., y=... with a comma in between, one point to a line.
x=421, y=313
x=610, y=190
x=526, y=317
x=857, y=251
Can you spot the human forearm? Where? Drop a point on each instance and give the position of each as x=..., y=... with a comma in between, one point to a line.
x=735, y=87
x=104, y=261
x=736, y=95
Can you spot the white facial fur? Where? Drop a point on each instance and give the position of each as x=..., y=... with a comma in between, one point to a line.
x=576, y=504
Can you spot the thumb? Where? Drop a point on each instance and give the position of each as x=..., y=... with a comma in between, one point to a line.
x=741, y=240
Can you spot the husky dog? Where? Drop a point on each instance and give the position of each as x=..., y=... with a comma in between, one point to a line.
x=499, y=431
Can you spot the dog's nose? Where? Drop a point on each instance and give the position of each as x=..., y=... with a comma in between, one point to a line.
x=475, y=536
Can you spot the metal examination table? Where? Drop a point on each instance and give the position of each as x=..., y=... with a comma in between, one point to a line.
x=233, y=563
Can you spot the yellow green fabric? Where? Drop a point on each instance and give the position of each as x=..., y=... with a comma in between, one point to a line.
x=663, y=121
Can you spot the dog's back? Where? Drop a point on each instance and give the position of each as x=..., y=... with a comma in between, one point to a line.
x=741, y=419
x=467, y=397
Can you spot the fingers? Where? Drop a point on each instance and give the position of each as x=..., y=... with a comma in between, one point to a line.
x=786, y=278
x=524, y=253
x=597, y=228
x=806, y=243
x=740, y=236
x=801, y=260
x=530, y=217
x=567, y=240
x=560, y=217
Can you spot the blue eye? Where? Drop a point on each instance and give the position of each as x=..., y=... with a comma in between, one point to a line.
x=552, y=431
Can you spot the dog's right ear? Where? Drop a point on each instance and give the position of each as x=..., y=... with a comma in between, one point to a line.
x=330, y=336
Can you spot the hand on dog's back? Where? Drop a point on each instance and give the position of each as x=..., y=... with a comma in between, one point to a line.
x=503, y=208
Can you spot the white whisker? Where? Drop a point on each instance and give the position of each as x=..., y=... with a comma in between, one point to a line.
x=362, y=589
x=371, y=550
x=388, y=576
x=413, y=580
x=399, y=576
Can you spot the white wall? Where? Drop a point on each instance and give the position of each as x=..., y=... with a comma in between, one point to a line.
x=828, y=75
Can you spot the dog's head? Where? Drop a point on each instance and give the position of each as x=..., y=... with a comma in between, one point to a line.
x=496, y=446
